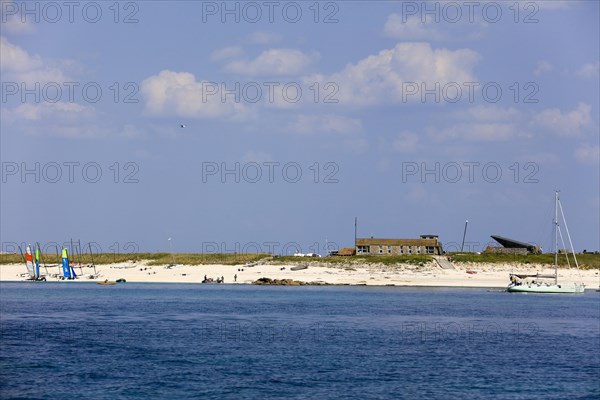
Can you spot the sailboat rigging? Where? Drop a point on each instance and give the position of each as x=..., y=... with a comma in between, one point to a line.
x=536, y=286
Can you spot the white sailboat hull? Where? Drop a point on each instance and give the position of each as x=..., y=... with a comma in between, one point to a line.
x=546, y=288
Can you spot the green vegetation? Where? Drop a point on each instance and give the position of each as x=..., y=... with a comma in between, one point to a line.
x=212, y=258
x=153, y=258
x=385, y=260
x=586, y=261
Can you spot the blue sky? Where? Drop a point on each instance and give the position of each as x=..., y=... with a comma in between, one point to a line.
x=411, y=116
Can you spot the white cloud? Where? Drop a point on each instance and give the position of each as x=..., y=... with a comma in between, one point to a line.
x=482, y=124
x=11, y=21
x=478, y=131
x=329, y=123
x=264, y=38
x=412, y=28
x=256, y=156
x=590, y=70
x=588, y=154
x=542, y=66
x=381, y=77
x=180, y=94
x=58, y=111
x=14, y=58
x=225, y=53
x=274, y=62
x=492, y=113
x=19, y=66
x=549, y=4
x=406, y=142
x=496, y=123
x=564, y=124
x=61, y=119
x=540, y=158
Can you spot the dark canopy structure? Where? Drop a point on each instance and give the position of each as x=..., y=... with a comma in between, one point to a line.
x=514, y=244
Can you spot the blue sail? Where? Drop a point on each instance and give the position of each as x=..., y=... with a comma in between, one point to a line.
x=65, y=264
x=37, y=262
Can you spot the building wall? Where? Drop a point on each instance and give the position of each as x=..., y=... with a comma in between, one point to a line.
x=398, y=246
x=506, y=250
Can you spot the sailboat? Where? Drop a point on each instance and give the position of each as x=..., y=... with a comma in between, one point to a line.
x=536, y=286
x=68, y=271
x=33, y=268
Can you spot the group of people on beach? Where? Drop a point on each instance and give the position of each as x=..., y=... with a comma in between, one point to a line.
x=217, y=280
x=211, y=280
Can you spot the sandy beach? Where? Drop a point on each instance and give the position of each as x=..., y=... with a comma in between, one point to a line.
x=487, y=275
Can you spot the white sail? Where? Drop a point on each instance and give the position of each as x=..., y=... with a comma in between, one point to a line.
x=29, y=262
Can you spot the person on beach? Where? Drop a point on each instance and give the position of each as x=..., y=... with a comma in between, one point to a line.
x=235, y=278
x=222, y=280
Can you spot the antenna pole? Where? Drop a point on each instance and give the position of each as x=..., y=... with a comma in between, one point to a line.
x=355, y=230
x=464, y=235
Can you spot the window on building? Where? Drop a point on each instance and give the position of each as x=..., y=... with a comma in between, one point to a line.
x=430, y=250
x=410, y=250
x=380, y=249
x=362, y=249
x=389, y=249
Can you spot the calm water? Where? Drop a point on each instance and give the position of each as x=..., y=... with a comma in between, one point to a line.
x=81, y=340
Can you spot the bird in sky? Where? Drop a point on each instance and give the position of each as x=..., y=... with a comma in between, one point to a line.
x=182, y=125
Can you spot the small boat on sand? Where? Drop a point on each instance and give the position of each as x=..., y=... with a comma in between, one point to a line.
x=298, y=267
x=107, y=282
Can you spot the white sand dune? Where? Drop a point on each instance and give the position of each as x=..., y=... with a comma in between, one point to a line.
x=488, y=275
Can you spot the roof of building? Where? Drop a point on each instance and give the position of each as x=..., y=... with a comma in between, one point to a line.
x=396, y=242
x=511, y=243
x=346, y=251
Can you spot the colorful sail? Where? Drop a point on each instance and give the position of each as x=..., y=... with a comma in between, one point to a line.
x=65, y=264
x=37, y=262
x=29, y=262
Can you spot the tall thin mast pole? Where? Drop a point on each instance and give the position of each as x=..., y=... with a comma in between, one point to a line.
x=171, y=248
x=464, y=235
x=556, y=238
x=355, y=227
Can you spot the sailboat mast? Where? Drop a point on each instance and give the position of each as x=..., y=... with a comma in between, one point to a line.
x=92, y=256
x=556, y=238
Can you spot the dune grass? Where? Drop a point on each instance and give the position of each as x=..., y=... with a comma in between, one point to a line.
x=586, y=261
x=386, y=260
x=153, y=258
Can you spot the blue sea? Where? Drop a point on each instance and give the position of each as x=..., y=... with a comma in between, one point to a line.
x=186, y=341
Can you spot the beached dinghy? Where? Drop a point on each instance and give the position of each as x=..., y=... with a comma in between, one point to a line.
x=107, y=282
x=298, y=267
